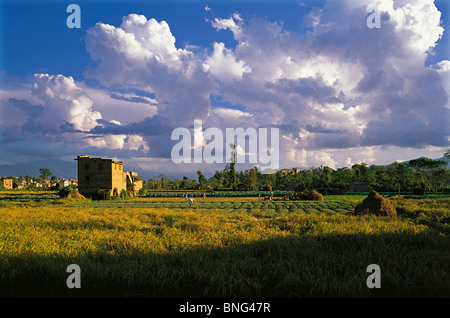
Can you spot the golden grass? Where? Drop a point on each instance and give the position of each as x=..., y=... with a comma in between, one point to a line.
x=199, y=252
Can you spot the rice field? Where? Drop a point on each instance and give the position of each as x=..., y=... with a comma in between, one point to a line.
x=222, y=247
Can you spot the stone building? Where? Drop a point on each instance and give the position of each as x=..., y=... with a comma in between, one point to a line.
x=7, y=183
x=293, y=171
x=97, y=177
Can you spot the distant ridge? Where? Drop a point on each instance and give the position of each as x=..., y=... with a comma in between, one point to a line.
x=60, y=168
x=68, y=170
x=440, y=159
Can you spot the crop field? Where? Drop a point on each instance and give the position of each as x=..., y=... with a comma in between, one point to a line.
x=222, y=247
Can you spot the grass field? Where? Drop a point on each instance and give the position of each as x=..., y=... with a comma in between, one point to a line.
x=222, y=247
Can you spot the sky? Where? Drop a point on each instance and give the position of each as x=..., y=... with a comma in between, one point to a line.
x=339, y=91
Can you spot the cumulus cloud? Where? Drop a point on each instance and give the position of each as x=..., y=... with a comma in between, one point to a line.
x=233, y=23
x=132, y=142
x=340, y=92
x=343, y=84
x=141, y=54
x=64, y=102
x=222, y=65
x=58, y=110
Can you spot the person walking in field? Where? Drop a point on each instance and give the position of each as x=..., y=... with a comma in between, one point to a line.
x=190, y=201
x=204, y=196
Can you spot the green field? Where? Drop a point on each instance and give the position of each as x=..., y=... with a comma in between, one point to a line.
x=222, y=247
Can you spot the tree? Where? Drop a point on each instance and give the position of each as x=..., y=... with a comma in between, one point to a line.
x=427, y=164
x=425, y=167
x=45, y=173
x=233, y=178
x=201, y=180
x=163, y=181
x=214, y=183
x=360, y=169
x=252, y=179
x=341, y=178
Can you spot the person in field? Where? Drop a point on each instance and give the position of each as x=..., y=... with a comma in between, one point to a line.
x=190, y=201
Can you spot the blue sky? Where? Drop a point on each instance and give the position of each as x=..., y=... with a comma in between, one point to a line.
x=32, y=29
x=339, y=92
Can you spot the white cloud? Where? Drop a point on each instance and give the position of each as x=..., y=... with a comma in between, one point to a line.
x=126, y=108
x=141, y=54
x=65, y=102
x=443, y=69
x=340, y=93
x=233, y=23
x=124, y=142
x=231, y=115
x=136, y=142
x=222, y=65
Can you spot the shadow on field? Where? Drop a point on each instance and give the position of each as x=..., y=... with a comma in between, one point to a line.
x=412, y=265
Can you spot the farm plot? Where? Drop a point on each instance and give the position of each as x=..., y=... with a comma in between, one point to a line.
x=222, y=247
x=255, y=208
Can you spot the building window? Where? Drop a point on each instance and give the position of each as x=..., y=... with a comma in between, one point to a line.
x=86, y=166
x=100, y=167
x=87, y=179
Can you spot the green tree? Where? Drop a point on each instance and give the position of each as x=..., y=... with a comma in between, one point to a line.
x=427, y=164
x=229, y=172
x=162, y=181
x=252, y=179
x=341, y=178
x=45, y=173
x=426, y=167
x=233, y=178
x=360, y=170
x=202, y=180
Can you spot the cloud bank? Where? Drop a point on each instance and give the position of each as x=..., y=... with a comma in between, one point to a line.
x=338, y=91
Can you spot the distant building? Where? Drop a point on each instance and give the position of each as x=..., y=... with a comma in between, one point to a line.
x=359, y=186
x=133, y=181
x=7, y=183
x=290, y=171
x=97, y=175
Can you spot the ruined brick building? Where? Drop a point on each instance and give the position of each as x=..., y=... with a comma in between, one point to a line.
x=97, y=177
x=6, y=183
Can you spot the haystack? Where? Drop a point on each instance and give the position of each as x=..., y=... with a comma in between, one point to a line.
x=310, y=195
x=75, y=195
x=377, y=205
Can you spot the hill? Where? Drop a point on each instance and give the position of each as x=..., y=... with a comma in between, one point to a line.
x=68, y=169
x=438, y=159
x=60, y=168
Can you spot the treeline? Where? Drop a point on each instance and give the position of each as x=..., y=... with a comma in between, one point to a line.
x=422, y=173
